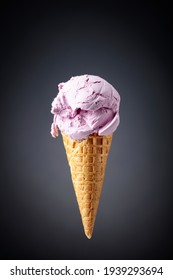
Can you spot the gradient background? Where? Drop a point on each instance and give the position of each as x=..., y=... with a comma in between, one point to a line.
x=129, y=46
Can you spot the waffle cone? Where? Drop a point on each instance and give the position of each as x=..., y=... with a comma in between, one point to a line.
x=87, y=160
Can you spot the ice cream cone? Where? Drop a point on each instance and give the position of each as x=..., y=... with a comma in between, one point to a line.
x=87, y=160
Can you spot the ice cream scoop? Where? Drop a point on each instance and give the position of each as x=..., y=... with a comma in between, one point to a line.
x=85, y=105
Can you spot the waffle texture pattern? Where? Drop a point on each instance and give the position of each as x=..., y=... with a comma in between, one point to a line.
x=87, y=160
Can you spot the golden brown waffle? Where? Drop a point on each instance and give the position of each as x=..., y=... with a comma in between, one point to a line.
x=87, y=160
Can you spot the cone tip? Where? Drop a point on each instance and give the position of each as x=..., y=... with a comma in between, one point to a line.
x=88, y=235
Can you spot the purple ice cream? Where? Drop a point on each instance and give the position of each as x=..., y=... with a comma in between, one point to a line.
x=85, y=104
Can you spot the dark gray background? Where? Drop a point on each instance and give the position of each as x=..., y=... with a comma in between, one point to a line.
x=129, y=46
